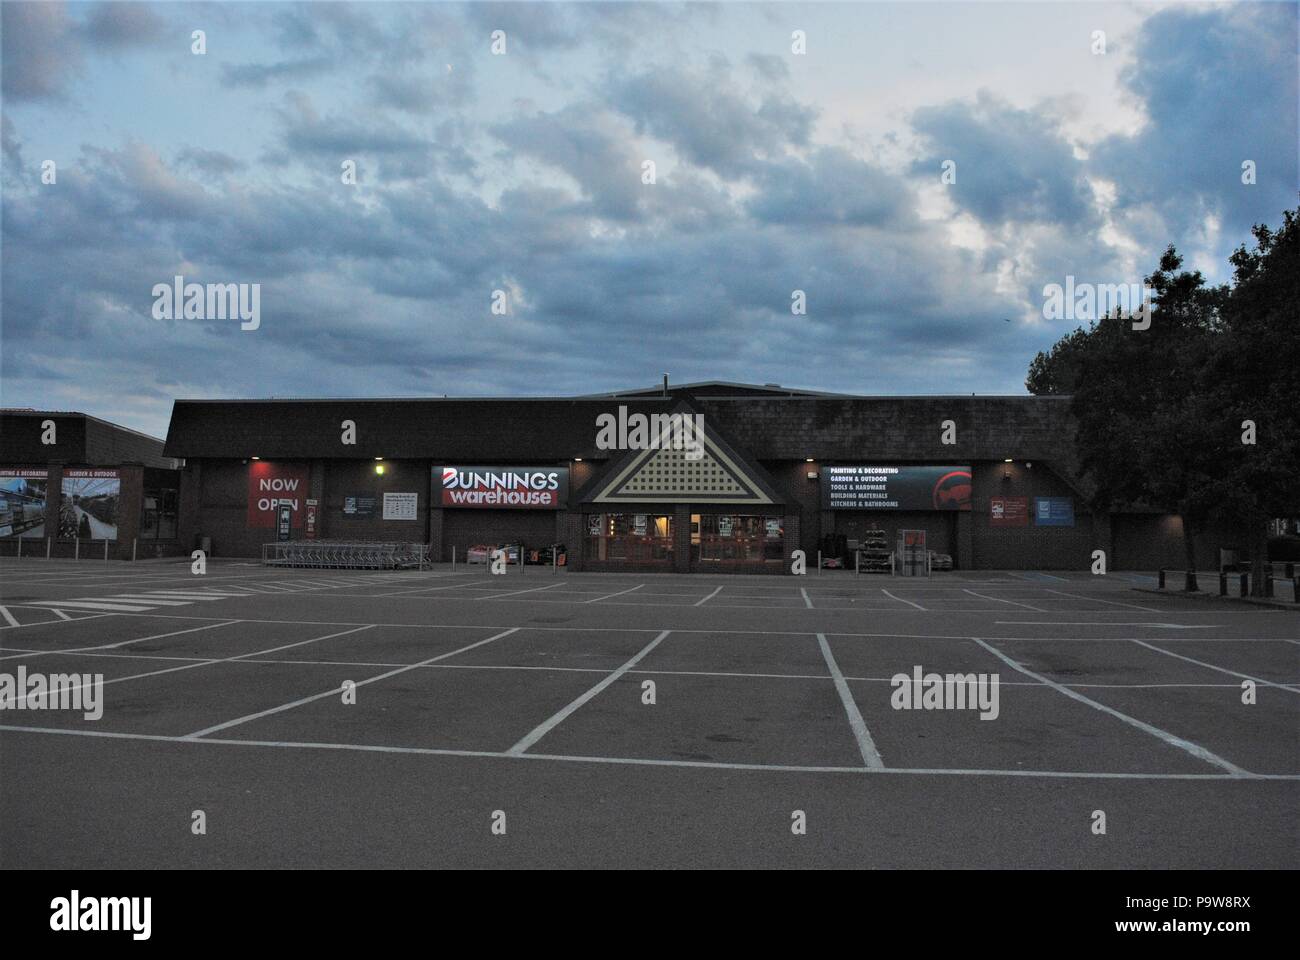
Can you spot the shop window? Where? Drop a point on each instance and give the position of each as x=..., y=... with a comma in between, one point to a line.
x=629, y=537
x=158, y=514
x=736, y=538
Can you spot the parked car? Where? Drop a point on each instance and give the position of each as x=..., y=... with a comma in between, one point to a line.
x=478, y=553
x=940, y=561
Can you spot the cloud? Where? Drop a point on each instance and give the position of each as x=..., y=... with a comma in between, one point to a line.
x=707, y=120
x=1218, y=87
x=40, y=51
x=1013, y=165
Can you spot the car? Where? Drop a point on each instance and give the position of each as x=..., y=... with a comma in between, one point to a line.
x=478, y=553
x=940, y=561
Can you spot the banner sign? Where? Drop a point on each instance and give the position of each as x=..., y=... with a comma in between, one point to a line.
x=313, y=508
x=401, y=506
x=1008, y=511
x=22, y=501
x=593, y=525
x=1054, y=511
x=89, y=506
x=359, y=505
x=517, y=488
x=878, y=487
x=273, y=484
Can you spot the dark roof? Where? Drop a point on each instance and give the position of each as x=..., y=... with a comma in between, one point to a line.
x=81, y=439
x=503, y=430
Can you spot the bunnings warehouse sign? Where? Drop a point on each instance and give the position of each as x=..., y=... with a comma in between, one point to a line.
x=517, y=488
x=883, y=487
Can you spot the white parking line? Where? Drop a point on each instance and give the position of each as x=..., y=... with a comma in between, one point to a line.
x=336, y=690
x=546, y=726
x=209, y=662
x=1210, y=666
x=515, y=593
x=866, y=746
x=89, y=605
x=121, y=643
x=806, y=599
x=702, y=601
x=900, y=599
x=1194, y=749
x=9, y=617
x=619, y=594
x=1114, y=603
x=1014, y=603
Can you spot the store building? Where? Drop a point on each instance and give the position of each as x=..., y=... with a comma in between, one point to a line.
x=992, y=481
x=73, y=485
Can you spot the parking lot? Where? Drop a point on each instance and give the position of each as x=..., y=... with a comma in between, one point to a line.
x=354, y=718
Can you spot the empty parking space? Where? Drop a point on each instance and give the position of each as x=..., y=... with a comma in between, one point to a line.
x=607, y=678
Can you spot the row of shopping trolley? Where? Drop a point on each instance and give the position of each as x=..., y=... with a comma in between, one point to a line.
x=353, y=554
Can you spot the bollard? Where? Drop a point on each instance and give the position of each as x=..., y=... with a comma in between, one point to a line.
x=106, y=549
x=20, y=548
x=453, y=559
x=1245, y=585
x=819, y=561
x=555, y=558
x=134, y=542
x=1162, y=579
x=76, y=548
x=49, y=542
x=1223, y=584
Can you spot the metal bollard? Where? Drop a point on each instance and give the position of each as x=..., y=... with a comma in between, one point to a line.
x=819, y=561
x=106, y=549
x=76, y=549
x=20, y=548
x=1161, y=577
x=49, y=543
x=134, y=542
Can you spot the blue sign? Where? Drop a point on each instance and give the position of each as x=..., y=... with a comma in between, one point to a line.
x=1053, y=511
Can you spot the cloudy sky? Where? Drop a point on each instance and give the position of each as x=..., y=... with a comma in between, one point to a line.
x=523, y=172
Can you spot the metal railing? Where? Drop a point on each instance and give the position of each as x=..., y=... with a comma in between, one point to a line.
x=351, y=554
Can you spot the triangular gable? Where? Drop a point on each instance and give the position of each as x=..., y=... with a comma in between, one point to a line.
x=665, y=475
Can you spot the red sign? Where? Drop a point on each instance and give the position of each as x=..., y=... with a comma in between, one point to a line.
x=272, y=484
x=1008, y=511
x=310, y=531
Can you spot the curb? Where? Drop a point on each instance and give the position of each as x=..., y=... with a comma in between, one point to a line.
x=1208, y=596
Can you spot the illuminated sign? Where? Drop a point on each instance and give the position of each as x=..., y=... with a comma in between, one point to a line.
x=884, y=487
x=512, y=488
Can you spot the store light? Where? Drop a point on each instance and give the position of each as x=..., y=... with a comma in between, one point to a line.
x=257, y=458
x=379, y=458
x=379, y=469
x=1007, y=460
x=577, y=459
x=808, y=460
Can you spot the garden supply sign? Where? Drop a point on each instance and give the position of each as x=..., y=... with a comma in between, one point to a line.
x=271, y=485
x=896, y=488
x=518, y=488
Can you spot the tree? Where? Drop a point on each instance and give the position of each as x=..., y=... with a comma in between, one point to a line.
x=1138, y=399
x=1255, y=380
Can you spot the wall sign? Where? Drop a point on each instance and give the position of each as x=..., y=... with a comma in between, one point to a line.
x=638, y=524
x=313, y=512
x=401, y=506
x=284, y=522
x=22, y=501
x=773, y=528
x=512, y=488
x=1054, y=511
x=1008, y=511
x=881, y=487
x=272, y=484
x=90, y=501
x=593, y=525
x=359, y=505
